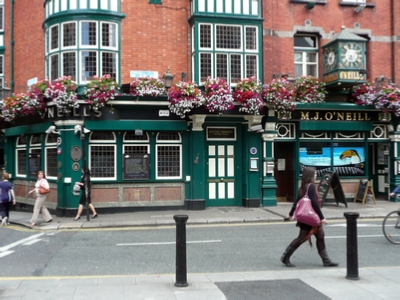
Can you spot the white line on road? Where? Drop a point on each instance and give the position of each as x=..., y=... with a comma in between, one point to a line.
x=168, y=243
x=5, y=253
x=358, y=225
x=359, y=236
x=31, y=242
x=23, y=241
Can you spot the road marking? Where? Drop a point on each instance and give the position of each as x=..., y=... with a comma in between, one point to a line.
x=359, y=236
x=31, y=242
x=23, y=241
x=358, y=225
x=5, y=253
x=169, y=243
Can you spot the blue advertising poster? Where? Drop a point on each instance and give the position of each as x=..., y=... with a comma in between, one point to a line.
x=347, y=161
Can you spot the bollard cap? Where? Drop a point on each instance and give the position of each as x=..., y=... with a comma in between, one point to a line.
x=181, y=218
x=351, y=214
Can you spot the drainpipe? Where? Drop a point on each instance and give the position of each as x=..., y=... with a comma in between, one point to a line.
x=12, y=45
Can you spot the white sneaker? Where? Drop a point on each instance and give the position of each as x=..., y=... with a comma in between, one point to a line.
x=4, y=221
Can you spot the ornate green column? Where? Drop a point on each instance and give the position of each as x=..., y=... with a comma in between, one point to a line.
x=196, y=187
x=269, y=183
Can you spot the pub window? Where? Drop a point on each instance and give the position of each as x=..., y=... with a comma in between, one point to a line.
x=54, y=38
x=136, y=156
x=69, y=34
x=305, y=55
x=136, y=144
x=168, y=155
x=35, y=154
x=51, y=156
x=346, y=159
x=21, y=156
x=102, y=152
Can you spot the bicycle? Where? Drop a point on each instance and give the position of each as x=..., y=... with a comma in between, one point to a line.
x=391, y=227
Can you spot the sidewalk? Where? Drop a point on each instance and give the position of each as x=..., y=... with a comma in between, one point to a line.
x=211, y=215
x=288, y=283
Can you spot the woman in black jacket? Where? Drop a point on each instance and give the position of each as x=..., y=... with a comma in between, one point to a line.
x=306, y=231
x=85, y=178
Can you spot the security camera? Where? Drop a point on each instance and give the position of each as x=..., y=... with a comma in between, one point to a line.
x=52, y=129
x=85, y=130
x=77, y=128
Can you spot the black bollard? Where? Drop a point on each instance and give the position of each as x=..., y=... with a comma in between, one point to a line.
x=352, y=248
x=181, y=271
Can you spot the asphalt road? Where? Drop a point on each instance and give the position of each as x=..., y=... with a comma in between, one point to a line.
x=227, y=248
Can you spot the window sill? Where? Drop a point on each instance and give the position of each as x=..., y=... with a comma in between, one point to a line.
x=355, y=3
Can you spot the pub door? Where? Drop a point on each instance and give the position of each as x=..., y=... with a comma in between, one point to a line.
x=379, y=169
x=285, y=162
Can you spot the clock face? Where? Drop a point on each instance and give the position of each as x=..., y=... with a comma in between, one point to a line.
x=351, y=55
x=330, y=59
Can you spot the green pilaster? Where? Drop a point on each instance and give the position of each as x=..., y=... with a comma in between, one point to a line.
x=395, y=170
x=196, y=194
x=268, y=183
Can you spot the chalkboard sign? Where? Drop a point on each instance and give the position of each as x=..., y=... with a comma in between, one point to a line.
x=364, y=188
x=34, y=164
x=136, y=167
x=331, y=180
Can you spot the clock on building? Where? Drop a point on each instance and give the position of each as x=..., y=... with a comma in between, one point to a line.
x=351, y=55
x=330, y=59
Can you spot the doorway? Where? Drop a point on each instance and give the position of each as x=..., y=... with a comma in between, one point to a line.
x=285, y=162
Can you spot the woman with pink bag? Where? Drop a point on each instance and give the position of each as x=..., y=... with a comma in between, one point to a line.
x=306, y=231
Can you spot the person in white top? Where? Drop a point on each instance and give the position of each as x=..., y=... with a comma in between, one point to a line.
x=40, y=199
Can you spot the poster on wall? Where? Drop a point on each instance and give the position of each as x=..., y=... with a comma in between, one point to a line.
x=347, y=161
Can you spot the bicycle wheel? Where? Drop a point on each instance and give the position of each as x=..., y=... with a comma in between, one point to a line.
x=391, y=227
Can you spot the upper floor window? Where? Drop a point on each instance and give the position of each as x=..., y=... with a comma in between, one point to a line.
x=230, y=52
x=237, y=7
x=66, y=6
x=305, y=55
x=1, y=15
x=88, y=48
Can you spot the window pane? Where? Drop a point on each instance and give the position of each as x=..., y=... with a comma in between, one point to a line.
x=88, y=33
x=228, y=37
x=168, y=161
x=298, y=57
x=251, y=38
x=102, y=162
x=136, y=150
x=54, y=67
x=21, y=162
x=109, y=64
x=205, y=66
x=251, y=66
x=89, y=65
x=109, y=35
x=298, y=70
x=305, y=41
x=51, y=162
x=102, y=136
x=168, y=136
x=69, y=64
x=205, y=36
x=222, y=66
x=236, y=68
x=54, y=37
x=1, y=17
x=1, y=64
x=312, y=70
x=69, y=34
x=311, y=57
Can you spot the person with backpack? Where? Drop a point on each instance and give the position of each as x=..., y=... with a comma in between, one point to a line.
x=7, y=196
x=306, y=231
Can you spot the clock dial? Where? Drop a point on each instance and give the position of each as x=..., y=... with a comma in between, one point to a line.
x=330, y=59
x=351, y=55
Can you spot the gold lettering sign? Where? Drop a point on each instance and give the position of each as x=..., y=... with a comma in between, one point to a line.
x=350, y=75
x=334, y=116
x=331, y=77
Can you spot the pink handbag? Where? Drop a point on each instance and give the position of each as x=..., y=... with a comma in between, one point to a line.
x=305, y=213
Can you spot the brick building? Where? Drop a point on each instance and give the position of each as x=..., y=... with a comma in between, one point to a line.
x=203, y=159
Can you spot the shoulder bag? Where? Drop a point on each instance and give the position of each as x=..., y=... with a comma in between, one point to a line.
x=305, y=213
x=43, y=190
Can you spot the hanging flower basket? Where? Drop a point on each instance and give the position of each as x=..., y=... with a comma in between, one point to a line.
x=364, y=94
x=62, y=92
x=218, y=96
x=147, y=86
x=183, y=97
x=279, y=95
x=20, y=105
x=248, y=92
x=100, y=90
x=310, y=90
x=388, y=100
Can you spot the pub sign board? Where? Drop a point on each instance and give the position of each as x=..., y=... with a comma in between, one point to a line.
x=136, y=167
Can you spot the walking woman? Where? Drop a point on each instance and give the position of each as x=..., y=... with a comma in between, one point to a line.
x=40, y=199
x=306, y=231
x=85, y=173
x=6, y=196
